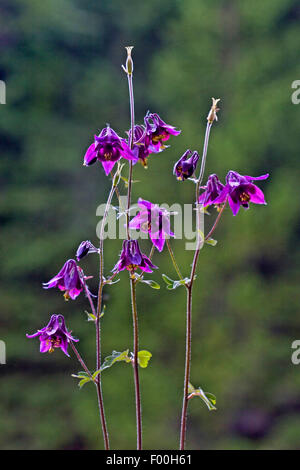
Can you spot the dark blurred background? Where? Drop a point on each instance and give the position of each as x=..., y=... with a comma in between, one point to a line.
x=61, y=63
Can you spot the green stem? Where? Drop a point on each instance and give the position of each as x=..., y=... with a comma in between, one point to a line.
x=80, y=360
x=174, y=259
x=216, y=221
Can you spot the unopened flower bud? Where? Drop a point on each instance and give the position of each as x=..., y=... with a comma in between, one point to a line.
x=84, y=249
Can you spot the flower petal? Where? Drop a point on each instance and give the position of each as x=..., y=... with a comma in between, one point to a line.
x=256, y=194
x=90, y=155
x=262, y=177
x=73, y=293
x=222, y=196
x=234, y=205
x=127, y=153
x=158, y=240
x=45, y=346
x=108, y=166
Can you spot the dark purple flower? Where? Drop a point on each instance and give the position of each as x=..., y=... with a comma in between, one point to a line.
x=153, y=220
x=140, y=144
x=84, y=249
x=68, y=280
x=108, y=148
x=186, y=165
x=157, y=132
x=213, y=189
x=132, y=258
x=240, y=191
x=54, y=335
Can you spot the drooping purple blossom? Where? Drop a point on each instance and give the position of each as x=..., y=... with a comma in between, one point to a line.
x=153, y=220
x=186, y=165
x=54, y=335
x=140, y=148
x=108, y=148
x=132, y=258
x=84, y=249
x=68, y=280
x=157, y=132
x=213, y=189
x=240, y=191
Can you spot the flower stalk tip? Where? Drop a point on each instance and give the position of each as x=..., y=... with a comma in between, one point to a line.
x=129, y=62
x=212, y=115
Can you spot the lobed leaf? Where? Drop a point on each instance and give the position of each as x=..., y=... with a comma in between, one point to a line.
x=151, y=283
x=171, y=284
x=115, y=357
x=144, y=358
x=208, y=398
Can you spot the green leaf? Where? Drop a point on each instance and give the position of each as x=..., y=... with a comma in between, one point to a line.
x=212, y=398
x=167, y=280
x=151, y=283
x=143, y=358
x=81, y=375
x=115, y=357
x=95, y=374
x=191, y=388
x=90, y=316
x=211, y=241
x=208, y=398
x=126, y=181
x=171, y=284
x=84, y=378
x=83, y=382
x=117, y=176
x=109, y=282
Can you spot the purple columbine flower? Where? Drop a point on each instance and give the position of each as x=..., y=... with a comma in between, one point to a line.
x=157, y=132
x=54, y=335
x=140, y=144
x=68, y=280
x=153, y=220
x=84, y=249
x=186, y=165
x=240, y=191
x=108, y=148
x=132, y=258
x=213, y=189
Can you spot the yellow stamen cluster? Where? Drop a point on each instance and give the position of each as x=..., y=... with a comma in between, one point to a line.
x=55, y=343
x=244, y=197
x=67, y=295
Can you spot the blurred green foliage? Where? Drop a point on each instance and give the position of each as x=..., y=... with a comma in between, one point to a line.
x=61, y=63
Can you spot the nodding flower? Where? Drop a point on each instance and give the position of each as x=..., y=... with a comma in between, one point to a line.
x=84, y=249
x=186, y=165
x=213, y=189
x=140, y=144
x=67, y=280
x=132, y=258
x=54, y=335
x=240, y=191
x=153, y=220
x=108, y=148
x=157, y=132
